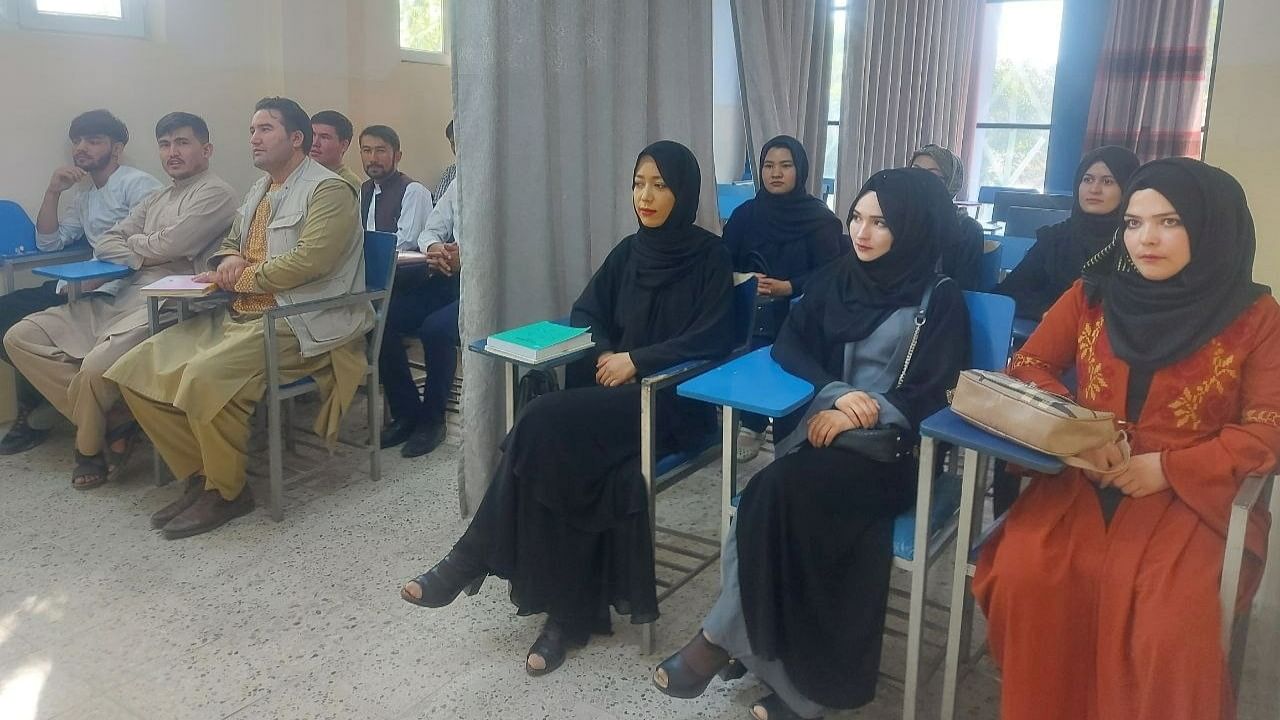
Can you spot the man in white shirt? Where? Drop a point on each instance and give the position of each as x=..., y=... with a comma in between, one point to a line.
x=446, y=177
x=390, y=201
x=104, y=193
x=429, y=310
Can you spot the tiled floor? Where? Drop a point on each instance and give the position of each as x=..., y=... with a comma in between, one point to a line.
x=101, y=619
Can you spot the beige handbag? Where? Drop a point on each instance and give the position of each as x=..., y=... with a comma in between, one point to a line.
x=1040, y=420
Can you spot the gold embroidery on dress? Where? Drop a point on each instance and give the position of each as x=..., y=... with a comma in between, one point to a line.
x=1265, y=417
x=1093, y=381
x=1020, y=360
x=1186, y=408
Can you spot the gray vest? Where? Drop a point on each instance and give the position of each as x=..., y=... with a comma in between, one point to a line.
x=320, y=331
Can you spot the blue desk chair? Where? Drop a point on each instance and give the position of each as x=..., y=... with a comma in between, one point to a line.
x=379, y=272
x=18, y=246
x=76, y=273
x=1025, y=221
x=987, y=193
x=730, y=195
x=755, y=383
x=1013, y=250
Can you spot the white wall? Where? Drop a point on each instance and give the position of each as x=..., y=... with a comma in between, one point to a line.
x=215, y=58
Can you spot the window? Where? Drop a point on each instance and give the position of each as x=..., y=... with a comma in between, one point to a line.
x=424, y=35
x=108, y=17
x=831, y=155
x=1015, y=95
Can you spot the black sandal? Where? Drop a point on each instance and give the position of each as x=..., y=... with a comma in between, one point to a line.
x=775, y=709
x=89, y=466
x=440, y=585
x=676, y=677
x=131, y=433
x=552, y=646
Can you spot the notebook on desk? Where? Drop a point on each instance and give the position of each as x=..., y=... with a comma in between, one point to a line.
x=179, y=286
x=539, y=341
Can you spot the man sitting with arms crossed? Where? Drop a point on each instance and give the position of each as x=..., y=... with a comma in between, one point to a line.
x=65, y=350
x=331, y=136
x=433, y=317
x=193, y=387
x=105, y=192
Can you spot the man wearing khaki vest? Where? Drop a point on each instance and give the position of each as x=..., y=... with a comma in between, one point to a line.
x=63, y=351
x=193, y=387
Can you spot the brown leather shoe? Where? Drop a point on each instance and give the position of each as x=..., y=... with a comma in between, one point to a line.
x=209, y=511
x=195, y=486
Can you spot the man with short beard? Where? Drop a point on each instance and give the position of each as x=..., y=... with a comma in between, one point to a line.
x=64, y=351
x=104, y=193
x=330, y=137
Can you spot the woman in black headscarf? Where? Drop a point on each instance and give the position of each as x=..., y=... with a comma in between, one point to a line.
x=566, y=517
x=962, y=253
x=1119, y=574
x=1061, y=251
x=806, y=570
x=782, y=235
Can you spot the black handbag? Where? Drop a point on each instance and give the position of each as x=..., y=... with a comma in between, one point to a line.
x=533, y=384
x=889, y=444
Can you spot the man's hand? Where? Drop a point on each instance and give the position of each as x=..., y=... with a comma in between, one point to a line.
x=770, y=287
x=64, y=177
x=614, y=369
x=226, y=274
x=826, y=425
x=861, y=409
x=438, y=259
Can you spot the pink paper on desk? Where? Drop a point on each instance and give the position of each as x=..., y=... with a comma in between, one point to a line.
x=179, y=286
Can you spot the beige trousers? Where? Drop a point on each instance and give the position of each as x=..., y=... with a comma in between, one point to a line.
x=75, y=387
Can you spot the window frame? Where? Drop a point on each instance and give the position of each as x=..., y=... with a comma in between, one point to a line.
x=131, y=23
x=427, y=57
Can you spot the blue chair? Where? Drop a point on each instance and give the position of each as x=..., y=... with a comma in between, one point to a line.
x=18, y=245
x=755, y=383
x=987, y=193
x=730, y=195
x=73, y=274
x=1005, y=199
x=989, y=272
x=1013, y=250
x=1025, y=221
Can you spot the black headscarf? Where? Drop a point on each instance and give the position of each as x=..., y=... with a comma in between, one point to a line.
x=1090, y=232
x=852, y=297
x=1155, y=324
x=948, y=162
x=663, y=254
x=790, y=217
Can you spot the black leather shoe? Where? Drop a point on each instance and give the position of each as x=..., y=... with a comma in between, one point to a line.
x=687, y=673
x=161, y=517
x=21, y=437
x=441, y=584
x=425, y=438
x=208, y=512
x=396, y=433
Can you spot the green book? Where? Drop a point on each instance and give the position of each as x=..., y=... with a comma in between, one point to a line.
x=539, y=341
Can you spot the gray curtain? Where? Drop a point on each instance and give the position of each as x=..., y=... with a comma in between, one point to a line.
x=554, y=100
x=784, y=61
x=907, y=68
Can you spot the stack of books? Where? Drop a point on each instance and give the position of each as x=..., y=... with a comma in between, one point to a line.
x=539, y=342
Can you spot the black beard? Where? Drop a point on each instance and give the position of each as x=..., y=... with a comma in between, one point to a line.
x=99, y=165
x=381, y=173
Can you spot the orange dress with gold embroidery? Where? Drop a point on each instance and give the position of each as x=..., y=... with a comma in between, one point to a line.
x=1095, y=622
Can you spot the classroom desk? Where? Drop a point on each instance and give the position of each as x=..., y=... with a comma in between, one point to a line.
x=13, y=262
x=511, y=371
x=79, y=272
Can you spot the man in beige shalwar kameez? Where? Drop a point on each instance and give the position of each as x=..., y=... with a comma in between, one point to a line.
x=194, y=386
x=63, y=351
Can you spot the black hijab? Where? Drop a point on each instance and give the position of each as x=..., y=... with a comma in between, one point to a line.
x=664, y=254
x=1153, y=324
x=857, y=296
x=1095, y=232
x=792, y=216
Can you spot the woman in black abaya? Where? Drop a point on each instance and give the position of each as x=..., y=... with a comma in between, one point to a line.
x=566, y=517
x=806, y=570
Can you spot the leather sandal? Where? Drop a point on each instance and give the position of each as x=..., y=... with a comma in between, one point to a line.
x=441, y=584
x=552, y=646
x=676, y=675
x=93, y=467
x=775, y=709
x=131, y=433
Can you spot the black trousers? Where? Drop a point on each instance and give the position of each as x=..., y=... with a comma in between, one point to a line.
x=426, y=307
x=15, y=306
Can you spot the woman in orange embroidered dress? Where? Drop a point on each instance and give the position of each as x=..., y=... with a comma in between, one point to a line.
x=1101, y=592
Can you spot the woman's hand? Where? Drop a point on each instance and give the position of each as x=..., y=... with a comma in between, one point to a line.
x=1143, y=477
x=1104, y=457
x=826, y=425
x=614, y=369
x=861, y=409
x=770, y=287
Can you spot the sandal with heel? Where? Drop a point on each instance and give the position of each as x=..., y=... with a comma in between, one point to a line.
x=552, y=646
x=677, y=677
x=775, y=709
x=441, y=584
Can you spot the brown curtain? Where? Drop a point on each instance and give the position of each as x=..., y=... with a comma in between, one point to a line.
x=907, y=68
x=1148, y=94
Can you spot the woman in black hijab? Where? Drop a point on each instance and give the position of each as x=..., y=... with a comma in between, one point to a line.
x=566, y=517
x=782, y=235
x=962, y=254
x=806, y=570
x=1061, y=251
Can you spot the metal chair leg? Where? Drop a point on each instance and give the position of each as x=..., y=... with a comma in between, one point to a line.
x=728, y=469
x=290, y=419
x=274, y=440
x=374, y=406
x=970, y=494
x=919, y=579
x=648, y=461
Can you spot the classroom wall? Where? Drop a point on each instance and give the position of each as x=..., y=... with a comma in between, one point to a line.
x=216, y=59
x=1242, y=113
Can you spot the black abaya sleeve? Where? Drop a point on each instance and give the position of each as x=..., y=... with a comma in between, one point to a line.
x=595, y=307
x=825, y=245
x=943, y=351
x=962, y=261
x=709, y=331
x=801, y=343
x=735, y=237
